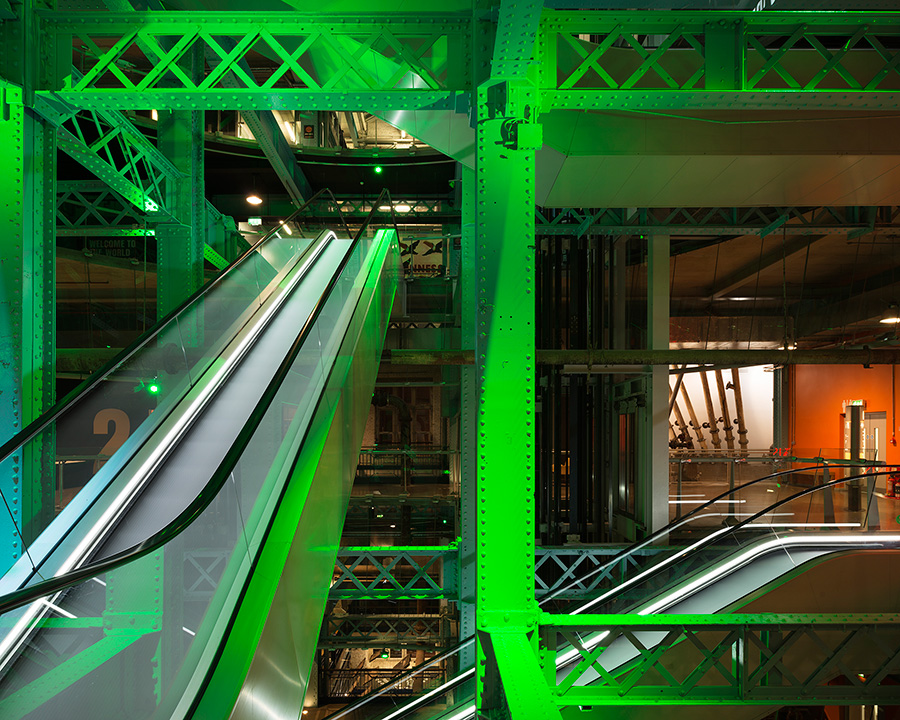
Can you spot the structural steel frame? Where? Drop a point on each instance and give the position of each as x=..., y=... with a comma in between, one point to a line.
x=761, y=659
x=699, y=60
x=850, y=220
x=395, y=573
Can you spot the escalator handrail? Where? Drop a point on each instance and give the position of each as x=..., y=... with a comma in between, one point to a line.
x=649, y=540
x=732, y=529
x=50, y=415
x=204, y=498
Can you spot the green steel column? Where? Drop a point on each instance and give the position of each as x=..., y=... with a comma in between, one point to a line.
x=27, y=296
x=653, y=494
x=468, y=420
x=504, y=354
x=180, y=246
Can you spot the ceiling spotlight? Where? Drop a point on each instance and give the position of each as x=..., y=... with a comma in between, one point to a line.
x=891, y=316
x=254, y=199
x=402, y=207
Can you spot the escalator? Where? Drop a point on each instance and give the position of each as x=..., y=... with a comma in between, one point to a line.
x=192, y=560
x=767, y=546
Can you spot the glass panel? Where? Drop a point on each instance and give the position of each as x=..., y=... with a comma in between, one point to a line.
x=92, y=438
x=136, y=641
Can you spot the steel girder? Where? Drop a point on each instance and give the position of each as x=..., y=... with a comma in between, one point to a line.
x=27, y=337
x=696, y=60
x=426, y=55
x=409, y=573
x=680, y=60
x=850, y=220
x=114, y=150
x=93, y=208
x=722, y=659
x=401, y=631
x=395, y=573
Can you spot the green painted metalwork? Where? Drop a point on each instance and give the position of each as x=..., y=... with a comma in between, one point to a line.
x=579, y=222
x=94, y=208
x=210, y=254
x=723, y=659
x=718, y=59
x=429, y=47
x=395, y=573
x=27, y=267
x=180, y=248
x=412, y=631
x=114, y=150
x=504, y=351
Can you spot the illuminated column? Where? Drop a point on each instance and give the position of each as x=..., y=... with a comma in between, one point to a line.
x=468, y=421
x=28, y=298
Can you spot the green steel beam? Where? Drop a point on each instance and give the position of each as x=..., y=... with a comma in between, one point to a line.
x=28, y=298
x=698, y=59
x=505, y=367
x=723, y=659
x=113, y=149
x=691, y=59
x=394, y=573
x=712, y=222
x=180, y=247
x=22, y=702
x=418, y=45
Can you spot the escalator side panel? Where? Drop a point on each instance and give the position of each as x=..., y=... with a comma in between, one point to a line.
x=270, y=648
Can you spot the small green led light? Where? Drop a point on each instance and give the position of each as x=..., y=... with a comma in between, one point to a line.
x=378, y=169
x=153, y=388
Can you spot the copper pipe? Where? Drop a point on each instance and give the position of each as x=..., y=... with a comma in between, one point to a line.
x=726, y=416
x=713, y=423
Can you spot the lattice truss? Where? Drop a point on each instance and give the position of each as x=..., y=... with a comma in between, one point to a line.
x=765, y=51
x=87, y=208
x=123, y=51
x=422, y=208
x=714, y=221
x=119, y=155
x=382, y=573
x=348, y=631
x=711, y=659
x=590, y=572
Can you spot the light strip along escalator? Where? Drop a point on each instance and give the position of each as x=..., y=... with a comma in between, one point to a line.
x=730, y=554
x=153, y=578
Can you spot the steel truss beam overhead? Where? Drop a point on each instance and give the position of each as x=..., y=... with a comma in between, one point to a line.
x=427, y=58
x=416, y=209
x=107, y=143
x=683, y=59
x=723, y=659
x=409, y=573
x=852, y=221
x=395, y=573
x=408, y=632
x=88, y=208
x=695, y=60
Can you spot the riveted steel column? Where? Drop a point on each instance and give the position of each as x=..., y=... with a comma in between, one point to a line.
x=504, y=357
x=654, y=479
x=180, y=246
x=27, y=296
x=468, y=421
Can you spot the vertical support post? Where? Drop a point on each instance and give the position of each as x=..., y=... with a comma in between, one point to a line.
x=725, y=49
x=654, y=492
x=28, y=299
x=504, y=356
x=468, y=420
x=180, y=246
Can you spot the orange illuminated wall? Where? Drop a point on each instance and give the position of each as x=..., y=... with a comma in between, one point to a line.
x=817, y=392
